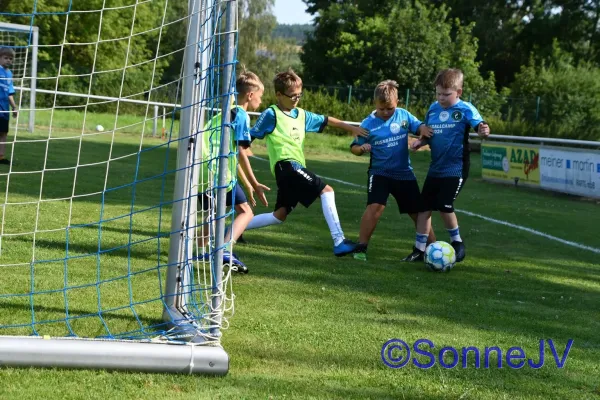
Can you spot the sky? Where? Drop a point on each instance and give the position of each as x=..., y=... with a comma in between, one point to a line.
x=291, y=12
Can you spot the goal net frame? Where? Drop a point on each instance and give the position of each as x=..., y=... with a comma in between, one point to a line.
x=189, y=346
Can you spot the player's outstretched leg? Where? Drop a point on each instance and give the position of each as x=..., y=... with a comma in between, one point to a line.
x=341, y=245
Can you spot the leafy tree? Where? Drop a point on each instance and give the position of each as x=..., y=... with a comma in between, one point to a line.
x=258, y=50
x=349, y=47
x=568, y=93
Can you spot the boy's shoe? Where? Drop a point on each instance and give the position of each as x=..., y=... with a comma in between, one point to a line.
x=5, y=161
x=241, y=240
x=346, y=247
x=236, y=264
x=361, y=256
x=416, y=255
x=360, y=252
x=459, y=249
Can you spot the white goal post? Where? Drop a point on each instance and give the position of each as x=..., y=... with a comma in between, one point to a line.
x=86, y=214
x=24, y=40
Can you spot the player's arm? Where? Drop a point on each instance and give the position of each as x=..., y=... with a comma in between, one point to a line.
x=483, y=129
x=249, y=189
x=251, y=183
x=244, y=137
x=359, y=150
x=11, y=99
x=422, y=130
x=317, y=123
x=476, y=121
x=264, y=125
x=356, y=131
x=360, y=145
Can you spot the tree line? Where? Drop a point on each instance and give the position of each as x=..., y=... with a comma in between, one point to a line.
x=532, y=49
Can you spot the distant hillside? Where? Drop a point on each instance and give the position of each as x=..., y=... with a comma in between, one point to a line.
x=295, y=31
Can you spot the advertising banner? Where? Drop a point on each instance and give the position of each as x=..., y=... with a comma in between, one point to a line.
x=511, y=163
x=570, y=171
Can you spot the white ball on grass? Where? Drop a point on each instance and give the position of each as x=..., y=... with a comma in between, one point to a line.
x=99, y=128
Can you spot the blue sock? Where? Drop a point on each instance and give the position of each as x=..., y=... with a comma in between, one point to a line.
x=454, y=235
x=421, y=241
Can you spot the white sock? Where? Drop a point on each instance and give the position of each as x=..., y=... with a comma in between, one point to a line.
x=454, y=234
x=262, y=220
x=421, y=241
x=331, y=216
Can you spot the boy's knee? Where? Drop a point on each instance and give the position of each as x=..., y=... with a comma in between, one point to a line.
x=280, y=214
x=245, y=209
x=375, y=209
x=327, y=189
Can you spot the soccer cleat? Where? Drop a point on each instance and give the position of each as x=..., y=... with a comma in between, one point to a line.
x=346, y=247
x=236, y=264
x=416, y=255
x=360, y=252
x=5, y=161
x=228, y=258
x=459, y=249
x=241, y=240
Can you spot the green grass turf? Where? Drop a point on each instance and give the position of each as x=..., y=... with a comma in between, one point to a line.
x=307, y=324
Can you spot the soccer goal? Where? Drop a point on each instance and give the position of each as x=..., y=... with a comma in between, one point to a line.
x=23, y=39
x=103, y=258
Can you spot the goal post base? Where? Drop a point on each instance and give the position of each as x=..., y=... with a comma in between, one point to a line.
x=113, y=355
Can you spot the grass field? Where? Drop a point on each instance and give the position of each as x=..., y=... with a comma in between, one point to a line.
x=306, y=324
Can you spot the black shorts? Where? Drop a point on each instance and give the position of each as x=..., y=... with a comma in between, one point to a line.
x=406, y=193
x=4, y=125
x=439, y=193
x=296, y=185
x=235, y=196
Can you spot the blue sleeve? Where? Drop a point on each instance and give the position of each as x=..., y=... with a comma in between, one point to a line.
x=241, y=126
x=264, y=125
x=473, y=116
x=413, y=122
x=315, y=122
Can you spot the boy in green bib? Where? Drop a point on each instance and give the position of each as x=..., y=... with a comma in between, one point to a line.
x=250, y=90
x=284, y=126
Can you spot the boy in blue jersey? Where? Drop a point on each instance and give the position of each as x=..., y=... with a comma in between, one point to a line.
x=283, y=126
x=6, y=98
x=451, y=120
x=250, y=90
x=390, y=171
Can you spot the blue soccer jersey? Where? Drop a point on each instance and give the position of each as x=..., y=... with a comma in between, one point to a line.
x=241, y=126
x=450, y=141
x=389, y=144
x=6, y=89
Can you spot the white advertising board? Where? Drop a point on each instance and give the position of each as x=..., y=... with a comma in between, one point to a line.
x=576, y=172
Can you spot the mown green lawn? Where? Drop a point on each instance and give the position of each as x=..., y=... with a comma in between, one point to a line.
x=306, y=324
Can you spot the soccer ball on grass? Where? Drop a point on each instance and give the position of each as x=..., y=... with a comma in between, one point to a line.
x=440, y=257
